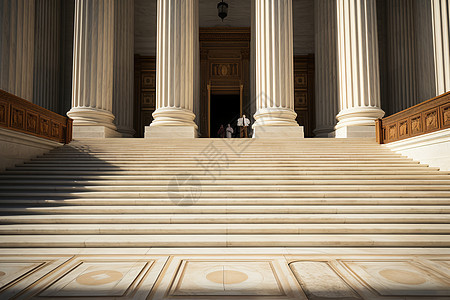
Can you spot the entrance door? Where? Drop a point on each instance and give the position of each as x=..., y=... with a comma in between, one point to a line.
x=224, y=109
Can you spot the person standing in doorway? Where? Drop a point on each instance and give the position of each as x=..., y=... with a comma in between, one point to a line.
x=229, y=131
x=221, y=132
x=243, y=123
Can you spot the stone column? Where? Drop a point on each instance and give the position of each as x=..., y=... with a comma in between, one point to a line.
x=275, y=116
x=17, y=47
x=177, y=36
x=401, y=56
x=252, y=109
x=423, y=44
x=46, y=79
x=123, y=88
x=440, y=13
x=93, y=69
x=359, y=84
x=326, y=81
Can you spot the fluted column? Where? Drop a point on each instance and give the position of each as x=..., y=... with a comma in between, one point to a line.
x=176, y=48
x=123, y=66
x=93, y=69
x=401, y=56
x=326, y=81
x=359, y=85
x=440, y=13
x=275, y=115
x=17, y=47
x=46, y=91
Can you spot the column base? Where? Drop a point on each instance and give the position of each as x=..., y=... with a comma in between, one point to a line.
x=169, y=132
x=91, y=122
x=355, y=132
x=295, y=132
x=94, y=132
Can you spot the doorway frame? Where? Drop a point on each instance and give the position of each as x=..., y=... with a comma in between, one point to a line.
x=223, y=90
x=224, y=69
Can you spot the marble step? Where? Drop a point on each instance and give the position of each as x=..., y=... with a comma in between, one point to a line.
x=56, y=178
x=207, y=180
x=206, y=168
x=224, y=201
x=177, y=195
x=176, y=186
x=226, y=219
x=155, y=156
x=219, y=172
x=240, y=161
x=226, y=240
x=231, y=209
x=146, y=229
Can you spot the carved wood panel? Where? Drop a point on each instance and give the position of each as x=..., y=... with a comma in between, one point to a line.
x=21, y=115
x=426, y=117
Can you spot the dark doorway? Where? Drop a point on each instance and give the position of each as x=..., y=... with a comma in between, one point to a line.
x=225, y=109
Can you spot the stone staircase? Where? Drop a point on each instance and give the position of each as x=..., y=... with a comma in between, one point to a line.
x=224, y=193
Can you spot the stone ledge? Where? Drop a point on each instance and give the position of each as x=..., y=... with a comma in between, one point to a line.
x=17, y=147
x=432, y=148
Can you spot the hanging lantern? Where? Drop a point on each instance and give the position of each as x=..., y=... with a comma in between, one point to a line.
x=222, y=8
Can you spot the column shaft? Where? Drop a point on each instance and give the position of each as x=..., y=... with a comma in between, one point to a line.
x=17, y=47
x=46, y=78
x=440, y=12
x=424, y=62
x=123, y=67
x=401, y=56
x=326, y=81
x=176, y=52
x=93, y=69
x=275, y=116
x=359, y=85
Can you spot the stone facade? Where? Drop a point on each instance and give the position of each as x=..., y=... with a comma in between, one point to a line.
x=361, y=70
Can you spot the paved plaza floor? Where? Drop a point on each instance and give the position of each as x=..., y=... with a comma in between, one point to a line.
x=225, y=273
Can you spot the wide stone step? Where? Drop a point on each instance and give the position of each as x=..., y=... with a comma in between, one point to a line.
x=206, y=164
x=194, y=186
x=248, y=240
x=226, y=219
x=219, y=172
x=194, y=161
x=224, y=201
x=231, y=209
x=178, y=195
x=56, y=178
x=234, y=156
x=207, y=180
x=178, y=229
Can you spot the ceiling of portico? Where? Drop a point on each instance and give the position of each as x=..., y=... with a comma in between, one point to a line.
x=239, y=15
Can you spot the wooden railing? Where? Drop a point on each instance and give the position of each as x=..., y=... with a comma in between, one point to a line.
x=21, y=115
x=428, y=116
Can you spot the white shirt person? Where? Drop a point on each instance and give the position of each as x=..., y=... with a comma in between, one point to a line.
x=229, y=131
x=243, y=123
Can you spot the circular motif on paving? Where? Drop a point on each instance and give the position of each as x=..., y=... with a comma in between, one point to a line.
x=227, y=277
x=2, y=273
x=99, y=277
x=403, y=277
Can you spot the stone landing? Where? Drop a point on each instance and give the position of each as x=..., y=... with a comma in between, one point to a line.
x=213, y=273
